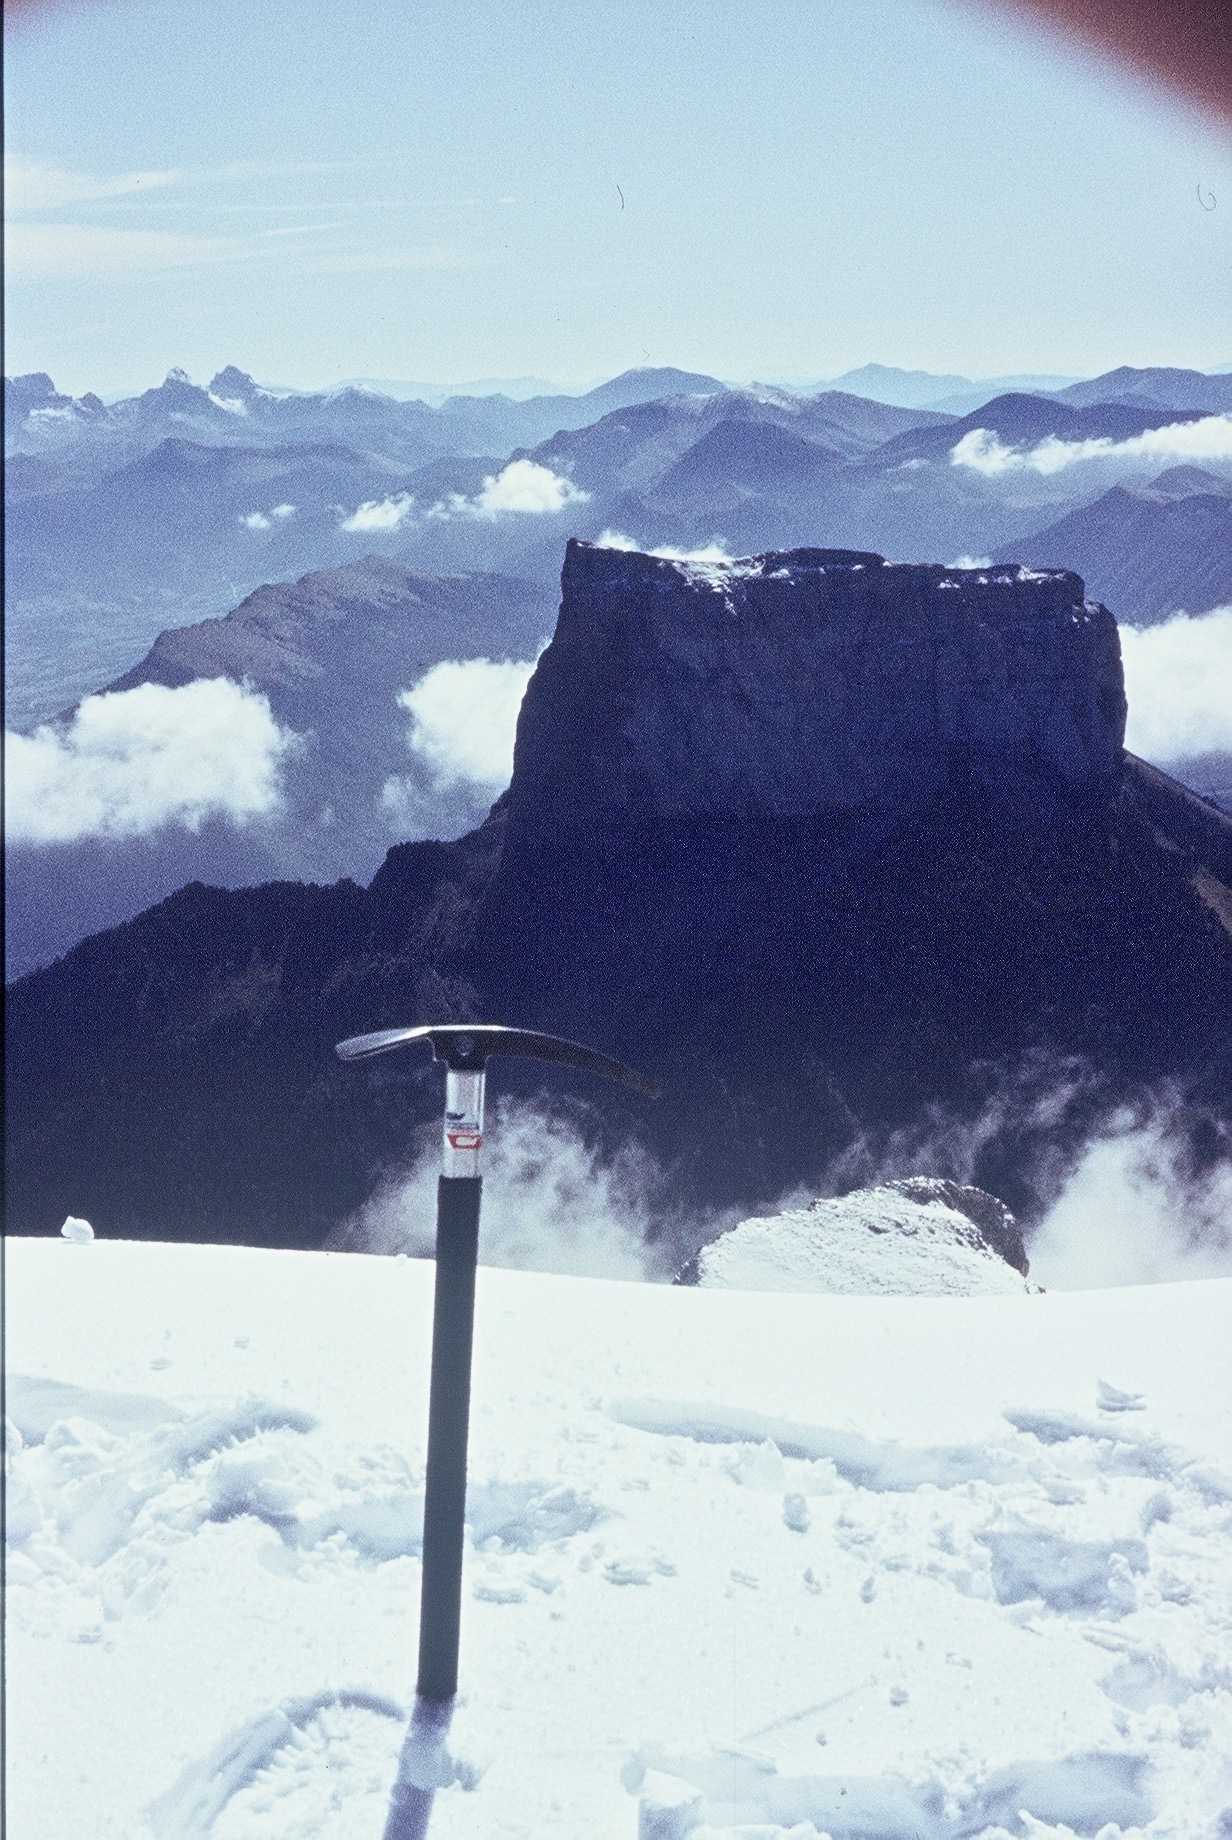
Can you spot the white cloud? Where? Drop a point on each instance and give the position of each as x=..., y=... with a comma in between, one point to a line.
x=131, y=761
x=464, y=716
x=1177, y=679
x=523, y=486
x=714, y=551
x=1134, y=1212
x=526, y=486
x=377, y=514
x=1208, y=438
x=260, y=520
x=29, y=186
x=970, y=562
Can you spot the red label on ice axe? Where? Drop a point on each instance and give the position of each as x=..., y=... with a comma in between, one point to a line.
x=464, y=1140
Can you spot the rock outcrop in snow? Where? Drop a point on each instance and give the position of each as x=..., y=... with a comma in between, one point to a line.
x=918, y=1237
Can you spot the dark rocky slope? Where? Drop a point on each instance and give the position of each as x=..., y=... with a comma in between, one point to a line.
x=330, y=652
x=1150, y=551
x=823, y=842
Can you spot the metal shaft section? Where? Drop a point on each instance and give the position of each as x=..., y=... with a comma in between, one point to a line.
x=463, y=1138
x=453, y=1327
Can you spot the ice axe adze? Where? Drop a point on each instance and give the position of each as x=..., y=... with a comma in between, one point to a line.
x=464, y=1049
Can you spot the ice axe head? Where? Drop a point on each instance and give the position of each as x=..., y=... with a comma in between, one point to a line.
x=464, y=1049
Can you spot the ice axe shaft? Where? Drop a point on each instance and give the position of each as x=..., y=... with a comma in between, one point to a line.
x=464, y=1049
x=449, y=1399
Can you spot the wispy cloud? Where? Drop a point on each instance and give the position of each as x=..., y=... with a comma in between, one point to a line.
x=1135, y=1210
x=33, y=185
x=43, y=246
x=29, y=186
x=75, y=252
x=132, y=761
x=714, y=551
x=380, y=514
x=1208, y=438
x=1176, y=681
x=557, y=1204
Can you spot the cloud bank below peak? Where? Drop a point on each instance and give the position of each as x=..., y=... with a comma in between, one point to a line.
x=131, y=762
x=1208, y=438
x=1176, y=681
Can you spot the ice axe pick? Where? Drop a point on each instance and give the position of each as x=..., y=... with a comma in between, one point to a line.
x=464, y=1050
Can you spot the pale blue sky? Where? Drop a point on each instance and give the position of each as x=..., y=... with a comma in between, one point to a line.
x=315, y=190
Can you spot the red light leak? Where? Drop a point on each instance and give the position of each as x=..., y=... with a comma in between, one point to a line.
x=1183, y=44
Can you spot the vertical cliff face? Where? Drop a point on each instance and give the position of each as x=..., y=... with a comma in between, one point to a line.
x=699, y=738
x=813, y=680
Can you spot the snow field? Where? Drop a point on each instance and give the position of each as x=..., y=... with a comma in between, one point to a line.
x=748, y=1565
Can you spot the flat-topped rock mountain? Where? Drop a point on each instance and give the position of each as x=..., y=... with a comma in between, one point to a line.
x=833, y=847
x=816, y=679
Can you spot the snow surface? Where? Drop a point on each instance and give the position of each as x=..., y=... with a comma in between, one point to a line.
x=875, y=1241
x=755, y=1565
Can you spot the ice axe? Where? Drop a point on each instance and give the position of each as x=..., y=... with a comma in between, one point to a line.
x=464, y=1049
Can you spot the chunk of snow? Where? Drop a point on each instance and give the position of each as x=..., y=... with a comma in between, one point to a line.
x=919, y=1237
x=1112, y=1399
x=77, y=1232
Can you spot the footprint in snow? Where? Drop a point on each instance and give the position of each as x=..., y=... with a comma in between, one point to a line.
x=355, y=1732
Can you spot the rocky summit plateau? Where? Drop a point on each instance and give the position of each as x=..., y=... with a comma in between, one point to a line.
x=830, y=846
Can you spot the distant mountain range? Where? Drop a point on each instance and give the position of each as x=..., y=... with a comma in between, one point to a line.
x=516, y=388
x=1174, y=389
x=82, y=437
x=1169, y=388
x=929, y=390
x=174, y=504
